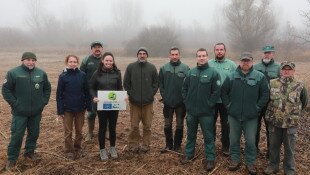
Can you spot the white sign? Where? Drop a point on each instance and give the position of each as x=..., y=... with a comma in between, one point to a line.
x=111, y=100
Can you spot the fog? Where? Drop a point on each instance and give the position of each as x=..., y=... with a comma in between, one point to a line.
x=75, y=23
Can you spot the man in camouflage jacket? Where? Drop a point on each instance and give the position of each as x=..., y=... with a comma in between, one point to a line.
x=288, y=97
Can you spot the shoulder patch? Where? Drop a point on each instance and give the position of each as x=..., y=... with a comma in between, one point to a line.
x=4, y=81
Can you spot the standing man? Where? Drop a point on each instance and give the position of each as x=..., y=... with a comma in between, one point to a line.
x=89, y=66
x=244, y=93
x=200, y=91
x=171, y=76
x=141, y=84
x=224, y=67
x=27, y=90
x=288, y=97
x=271, y=70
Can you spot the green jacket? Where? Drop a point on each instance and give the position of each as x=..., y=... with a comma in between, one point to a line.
x=224, y=68
x=171, y=77
x=89, y=65
x=244, y=95
x=201, y=90
x=270, y=70
x=288, y=98
x=141, y=82
x=26, y=90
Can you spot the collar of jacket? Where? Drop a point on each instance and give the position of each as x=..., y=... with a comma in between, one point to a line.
x=220, y=61
x=26, y=68
x=141, y=62
x=175, y=63
x=286, y=80
x=68, y=70
x=96, y=57
x=203, y=66
x=105, y=69
x=266, y=64
x=242, y=74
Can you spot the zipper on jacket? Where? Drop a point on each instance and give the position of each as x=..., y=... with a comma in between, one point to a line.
x=198, y=87
x=31, y=86
x=243, y=84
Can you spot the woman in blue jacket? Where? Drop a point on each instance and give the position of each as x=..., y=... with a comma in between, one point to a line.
x=107, y=77
x=73, y=99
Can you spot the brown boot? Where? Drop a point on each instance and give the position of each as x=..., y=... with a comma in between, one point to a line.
x=251, y=169
x=233, y=166
x=210, y=165
x=32, y=156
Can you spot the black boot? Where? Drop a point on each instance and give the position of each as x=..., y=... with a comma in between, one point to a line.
x=178, y=136
x=169, y=140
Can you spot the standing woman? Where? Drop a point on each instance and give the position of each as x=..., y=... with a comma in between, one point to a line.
x=73, y=99
x=107, y=77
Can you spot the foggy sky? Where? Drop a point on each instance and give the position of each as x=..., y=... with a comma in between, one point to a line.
x=183, y=12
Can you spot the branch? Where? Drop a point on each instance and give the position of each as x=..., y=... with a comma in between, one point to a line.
x=3, y=135
x=135, y=172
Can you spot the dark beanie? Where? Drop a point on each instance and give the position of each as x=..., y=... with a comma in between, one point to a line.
x=143, y=49
x=27, y=55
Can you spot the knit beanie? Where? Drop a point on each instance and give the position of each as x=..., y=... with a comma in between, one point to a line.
x=143, y=49
x=27, y=55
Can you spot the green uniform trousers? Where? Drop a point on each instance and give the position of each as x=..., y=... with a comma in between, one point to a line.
x=206, y=124
x=18, y=128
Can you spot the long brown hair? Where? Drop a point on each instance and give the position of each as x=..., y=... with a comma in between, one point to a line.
x=114, y=67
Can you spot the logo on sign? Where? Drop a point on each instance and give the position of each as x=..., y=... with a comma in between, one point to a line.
x=107, y=106
x=112, y=96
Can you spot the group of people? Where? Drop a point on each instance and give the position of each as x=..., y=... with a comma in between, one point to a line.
x=240, y=95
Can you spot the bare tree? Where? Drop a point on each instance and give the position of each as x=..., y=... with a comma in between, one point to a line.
x=288, y=41
x=305, y=36
x=34, y=8
x=127, y=17
x=158, y=39
x=250, y=23
x=75, y=25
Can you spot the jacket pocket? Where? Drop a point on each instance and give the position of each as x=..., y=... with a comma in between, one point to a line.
x=204, y=79
x=292, y=130
x=251, y=82
x=181, y=74
x=38, y=82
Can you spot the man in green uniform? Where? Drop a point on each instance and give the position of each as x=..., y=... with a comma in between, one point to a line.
x=224, y=67
x=288, y=97
x=270, y=68
x=244, y=93
x=27, y=90
x=171, y=76
x=200, y=91
x=89, y=66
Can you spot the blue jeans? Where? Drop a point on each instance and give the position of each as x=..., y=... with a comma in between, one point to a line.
x=206, y=124
x=249, y=129
x=287, y=136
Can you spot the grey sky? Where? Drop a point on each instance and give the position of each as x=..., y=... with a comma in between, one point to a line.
x=184, y=12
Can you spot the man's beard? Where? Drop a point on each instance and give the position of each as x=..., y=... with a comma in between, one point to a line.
x=220, y=58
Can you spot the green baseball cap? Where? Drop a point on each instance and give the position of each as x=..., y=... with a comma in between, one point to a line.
x=246, y=56
x=287, y=63
x=96, y=43
x=268, y=48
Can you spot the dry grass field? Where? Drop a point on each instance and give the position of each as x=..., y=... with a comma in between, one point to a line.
x=50, y=143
